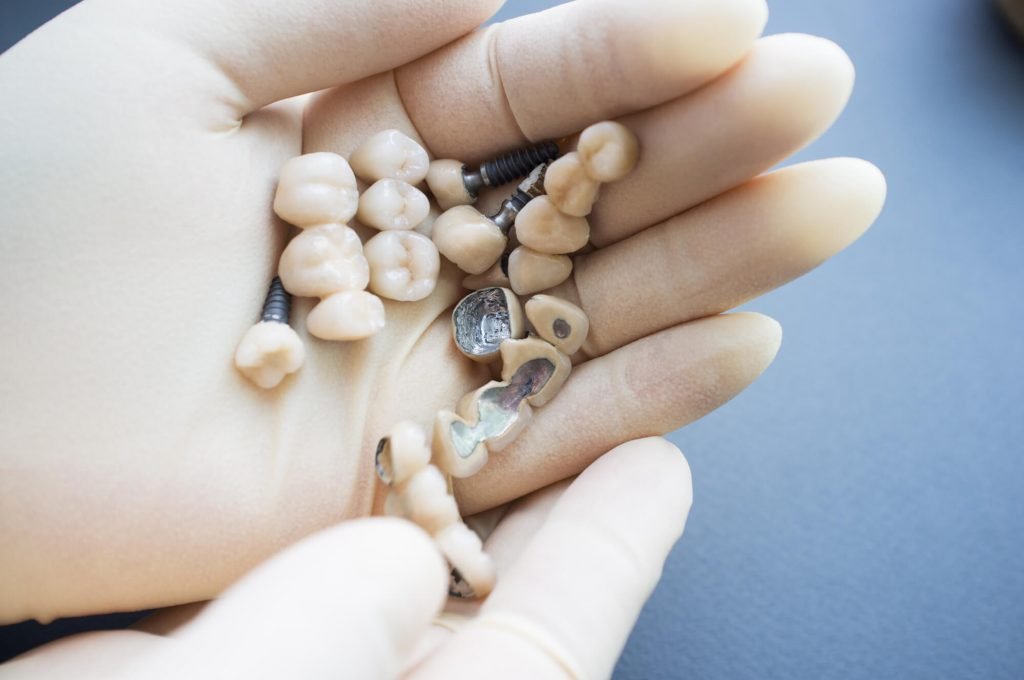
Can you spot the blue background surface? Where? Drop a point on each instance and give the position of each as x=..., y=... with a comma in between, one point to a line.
x=860, y=510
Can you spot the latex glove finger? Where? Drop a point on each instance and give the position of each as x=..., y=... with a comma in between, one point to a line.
x=568, y=603
x=492, y=89
x=725, y=252
x=649, y=387
x=346, y=602
x=266, y=50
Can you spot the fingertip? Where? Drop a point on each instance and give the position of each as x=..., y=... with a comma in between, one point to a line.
x=665, y=467
x=701, y=37
x=401, y=543
x=803, y=81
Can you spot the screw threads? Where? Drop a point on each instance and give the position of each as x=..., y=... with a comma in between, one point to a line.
x=278, y=303
x=517, y=163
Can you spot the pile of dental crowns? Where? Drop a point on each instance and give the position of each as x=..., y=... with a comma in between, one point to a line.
x=518, y=252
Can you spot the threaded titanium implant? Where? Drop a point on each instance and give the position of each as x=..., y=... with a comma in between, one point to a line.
x=453, y=183
x=278, y=303
x=507, y=167
x=528, y=189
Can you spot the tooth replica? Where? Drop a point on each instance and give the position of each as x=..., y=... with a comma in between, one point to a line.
x=316, y=188
x=269, y=351
x=483, y=320
x=323, y=260
x=569, y=186
x=493, y=277
x=541, y=226
x=468, y=238
x=419, y=492
x=546, y=367
x=404, y=265
x=558, y=321
x=532, y=272
x=403, y=453
x=392, y=204
x=608, y=151
x=464, y=551
x=426, y=227
x=446, y=183
x=494, y=415
x=454, y=183
x=427, y=502
x=346, y=315
x=390, y=154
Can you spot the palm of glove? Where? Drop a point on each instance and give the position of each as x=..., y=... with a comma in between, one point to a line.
x=143, y=145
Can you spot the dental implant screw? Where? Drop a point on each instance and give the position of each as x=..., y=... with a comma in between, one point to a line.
x=510, y=166
x=454, y=183
x=528, y=189
x=278, y=303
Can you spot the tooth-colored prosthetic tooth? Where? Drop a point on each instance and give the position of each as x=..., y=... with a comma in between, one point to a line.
x=323, y=260
x=403, y=453
x=464, y=551
x=542, y=226
x=468, y=238
x=485, y=318
x=608, y=151
x=427, y=502
x=538, y=365
x=426, y=227
x=446, y=184
x=558, y=321
x=393, y=504
x=495, y=276
x=403, y=265
x=392, y=204
x=315, y=189
x=390, y=154
x=532, y=272
x=348, y=315
x=268, y=352
x=569, y=186
x=455, y=454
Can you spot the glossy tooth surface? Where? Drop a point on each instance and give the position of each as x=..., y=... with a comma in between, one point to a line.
x=427, y=502
x=390, y=154
x=468, y=238
x=608, y=151
x=464, y=551
x=445, y=181
x=403, y=265
x=315, y=189
x=323, y=260
x=348, y=315
x=392, y=204
x=569, y=186
x=405, y=452
x=558, y=321
x=268, y=352
x=542, y=226
x=532, y=272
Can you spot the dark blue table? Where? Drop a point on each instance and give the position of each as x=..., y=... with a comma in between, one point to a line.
x=860, y=511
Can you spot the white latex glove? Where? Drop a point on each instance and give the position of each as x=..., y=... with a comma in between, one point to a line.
x=141, y=145
x=361, y=600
